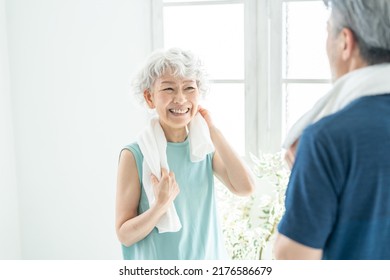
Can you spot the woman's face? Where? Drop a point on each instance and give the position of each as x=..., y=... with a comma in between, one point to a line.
x=175, y=100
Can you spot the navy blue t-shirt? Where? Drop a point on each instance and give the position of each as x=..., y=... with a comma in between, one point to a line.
x=338, y=197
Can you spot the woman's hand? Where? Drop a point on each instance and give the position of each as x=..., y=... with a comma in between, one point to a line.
x=227, y=164
x=131, y=226
x=165, y=190
x=206, y=115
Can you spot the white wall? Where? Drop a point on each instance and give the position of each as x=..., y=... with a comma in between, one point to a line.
x=9, y=218
x=70, y=68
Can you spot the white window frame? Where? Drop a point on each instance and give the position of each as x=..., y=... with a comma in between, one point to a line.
x=263, y=68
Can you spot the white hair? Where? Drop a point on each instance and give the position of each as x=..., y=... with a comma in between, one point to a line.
x=369, y=20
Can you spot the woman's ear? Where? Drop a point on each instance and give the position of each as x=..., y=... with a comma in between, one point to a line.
x=149, y=99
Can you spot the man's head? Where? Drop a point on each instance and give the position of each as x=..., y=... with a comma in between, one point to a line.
x=358, y=34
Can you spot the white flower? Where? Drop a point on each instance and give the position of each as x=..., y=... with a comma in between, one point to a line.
x=249, y=223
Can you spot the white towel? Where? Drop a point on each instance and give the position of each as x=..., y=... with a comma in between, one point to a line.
x=153, y=145
x=371, y=80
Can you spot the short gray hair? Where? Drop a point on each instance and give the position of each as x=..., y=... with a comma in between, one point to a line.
x=369, y=20
x=182, y=64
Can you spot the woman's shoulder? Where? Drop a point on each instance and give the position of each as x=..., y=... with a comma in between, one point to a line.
x=132, y=147
x=131, y=154
x=135, y=150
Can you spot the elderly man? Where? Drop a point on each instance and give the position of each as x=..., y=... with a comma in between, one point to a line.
x=338, y=197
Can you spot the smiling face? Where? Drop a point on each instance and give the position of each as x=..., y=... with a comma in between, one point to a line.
x=176, y=102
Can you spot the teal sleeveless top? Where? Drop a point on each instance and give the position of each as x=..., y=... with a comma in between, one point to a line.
x=200, y=236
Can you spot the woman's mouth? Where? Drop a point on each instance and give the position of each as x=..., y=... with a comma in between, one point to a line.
x=179, y=111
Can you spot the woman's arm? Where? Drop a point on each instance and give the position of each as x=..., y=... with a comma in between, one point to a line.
x=131, y=227
x=227, y=164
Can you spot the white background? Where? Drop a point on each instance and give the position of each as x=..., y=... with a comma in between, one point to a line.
x=65, y=113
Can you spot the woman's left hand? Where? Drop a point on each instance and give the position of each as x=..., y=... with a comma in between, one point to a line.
x=206, y=115
x=227, y=164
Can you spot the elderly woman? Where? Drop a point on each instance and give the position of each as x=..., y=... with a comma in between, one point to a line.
x=162, y=214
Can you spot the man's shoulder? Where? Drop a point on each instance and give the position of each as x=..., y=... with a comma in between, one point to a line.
x=361, y=117
x=359, y=112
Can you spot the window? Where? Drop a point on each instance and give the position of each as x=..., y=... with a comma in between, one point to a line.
x=219, y=41
x=306, y=75
x=267, y=62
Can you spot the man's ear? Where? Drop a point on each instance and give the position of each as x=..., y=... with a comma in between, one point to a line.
x=149, y=99
x=349, y=44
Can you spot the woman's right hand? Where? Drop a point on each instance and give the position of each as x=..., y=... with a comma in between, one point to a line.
x=131, y=226
x=165, y=190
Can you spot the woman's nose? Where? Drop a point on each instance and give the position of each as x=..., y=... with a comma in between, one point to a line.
x=179, y=97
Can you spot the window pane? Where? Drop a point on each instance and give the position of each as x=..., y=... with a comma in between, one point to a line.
x=226, y=105
x=214, y=32
x=300, y=98
x=304, y=50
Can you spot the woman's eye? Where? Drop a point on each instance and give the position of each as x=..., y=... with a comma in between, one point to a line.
x=168, y=89
x=190, y=88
